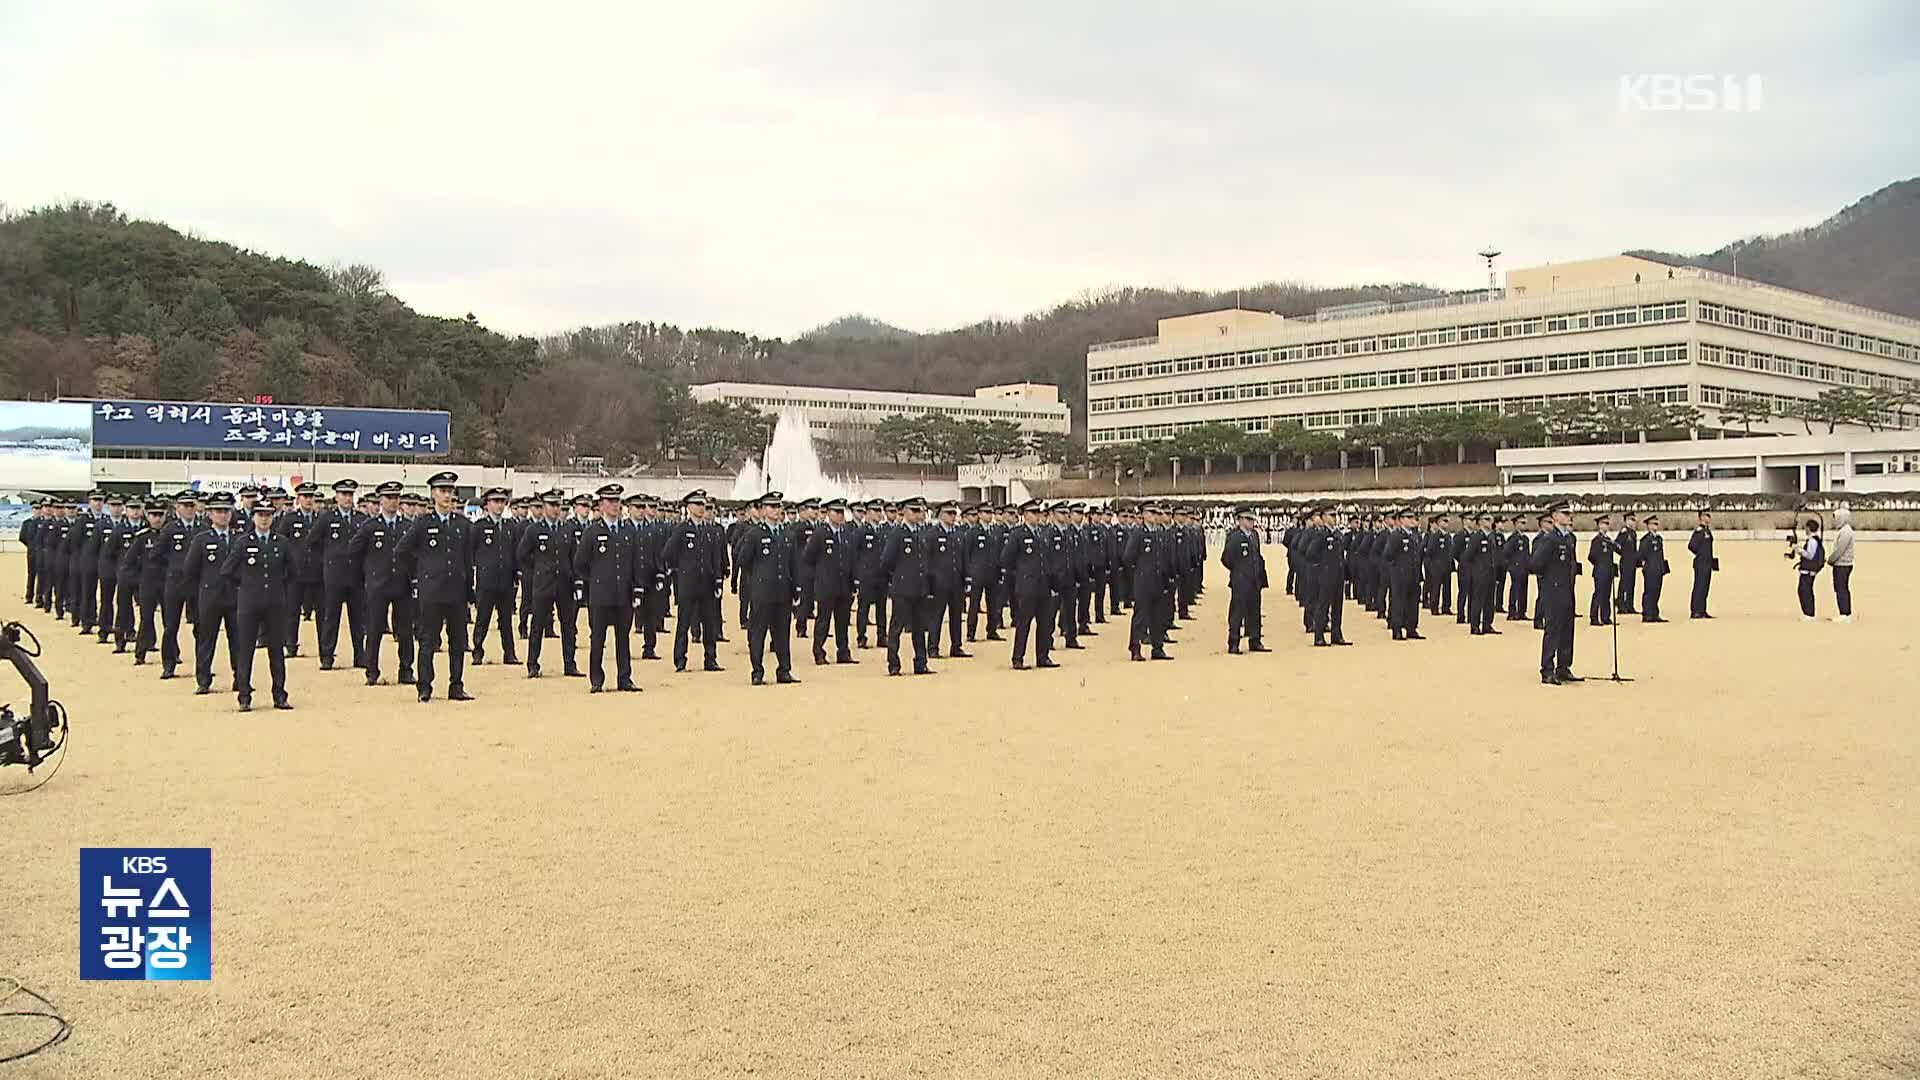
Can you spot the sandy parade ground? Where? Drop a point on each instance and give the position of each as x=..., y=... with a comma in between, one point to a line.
x=1394, y=860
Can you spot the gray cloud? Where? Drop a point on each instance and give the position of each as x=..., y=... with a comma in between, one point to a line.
x=768, y=166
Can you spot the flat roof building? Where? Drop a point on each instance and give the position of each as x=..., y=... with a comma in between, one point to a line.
x=848, y=417
x=1619, y=328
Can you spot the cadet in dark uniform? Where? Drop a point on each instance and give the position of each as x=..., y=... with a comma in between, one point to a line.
x=435, y=546
x=1627, y=545
x=126, y=575
x=1600, y=554
x=1514, y=552
x=607, y=561
x=1331, y=568
x=870, y=575
x=1024, y=556
x=1554, y=560
x=1405, y=554
x=1246, y=576
x=545, y=557
x=490, y=551
x=905, y=564
x=176, y=593
x=307, y=590
x=1653, y=568
x=259, y=565
x=28, y=529
x=212, y=593
x=1150, y=555
x=385, y=580
x=113, y=531
x=946, y=561
x=1484, y=547
x=767, y=563
x=1704, y=564
x=695, y=555
x=1061, y=564
x=803, y=529
x=147, y=558
x=331, y=545
x=982, y=538
x=830, y=557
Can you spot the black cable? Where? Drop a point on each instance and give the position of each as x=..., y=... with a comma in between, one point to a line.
x=62, y=1028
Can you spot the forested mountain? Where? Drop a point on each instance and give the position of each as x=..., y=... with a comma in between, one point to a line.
x=1867, y=254
x=93, y=303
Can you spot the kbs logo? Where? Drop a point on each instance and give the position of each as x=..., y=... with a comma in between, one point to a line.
x=1690, y=93
x=146, y=913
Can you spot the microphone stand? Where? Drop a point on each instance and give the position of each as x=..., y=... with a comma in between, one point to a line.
x=1616, y=676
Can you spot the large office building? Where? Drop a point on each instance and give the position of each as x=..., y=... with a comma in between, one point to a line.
x=848, y=417
x=1620, y=328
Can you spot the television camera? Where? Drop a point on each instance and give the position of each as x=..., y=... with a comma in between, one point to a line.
x=43, y=732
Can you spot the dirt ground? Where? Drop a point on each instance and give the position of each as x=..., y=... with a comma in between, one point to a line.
x=1385, y=861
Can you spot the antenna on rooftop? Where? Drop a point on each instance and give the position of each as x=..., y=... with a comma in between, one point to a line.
x=1491, y=253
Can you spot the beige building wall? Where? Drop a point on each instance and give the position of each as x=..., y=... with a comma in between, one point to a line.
x=1214, y=325
x=1606, y=273
x=1023, y=391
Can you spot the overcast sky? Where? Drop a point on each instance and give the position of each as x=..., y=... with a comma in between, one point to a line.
x=769, y=166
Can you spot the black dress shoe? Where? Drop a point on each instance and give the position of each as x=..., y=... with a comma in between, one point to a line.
x=649, y=655
x=786, y=680
x=1654, y=619
x=1074, y=646
x=202, y=691
x=1047, y=664
x=405, y=678
x=960, y=654
x=1568, y=676
x=1232, y=650
x=373, y=678
x=995, y=637
x=479, y=660
x=1157, y=655
x=1491, y=630
x=574, y=673
x=169, y=673
x=1411, y=636
x=283, y=705
x=246, y=704
x=680, y=667
x=459, y=694
x=922, y=669
x=712, y=667
x=1019, y=665
x=596, y=689
x=426, y=696
x=1258, y=648
x=533, y=673
x=1549, y=680
x=627, y=688
x=1340, y=641
x=511, y=660
x=1136, y=658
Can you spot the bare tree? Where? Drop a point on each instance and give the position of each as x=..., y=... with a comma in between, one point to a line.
x=357, y=279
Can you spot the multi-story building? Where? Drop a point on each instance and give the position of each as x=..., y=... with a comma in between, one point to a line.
x=848, y=417
x=1622, y=328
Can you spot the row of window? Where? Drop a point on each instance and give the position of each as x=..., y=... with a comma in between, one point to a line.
x=1787, y=405
x=1338, y=419
x=1794, y=368
x=263, y=454
x=1556, y=364
x=1439, y=337
x=1759, y=323
x=970, y=411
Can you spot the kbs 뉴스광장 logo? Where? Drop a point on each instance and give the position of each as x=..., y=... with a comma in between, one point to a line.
x=146, y=913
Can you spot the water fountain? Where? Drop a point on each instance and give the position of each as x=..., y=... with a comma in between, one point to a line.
x=792, y=466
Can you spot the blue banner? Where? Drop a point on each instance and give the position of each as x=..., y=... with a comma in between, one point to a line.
x=201, y=425
x=146, y=913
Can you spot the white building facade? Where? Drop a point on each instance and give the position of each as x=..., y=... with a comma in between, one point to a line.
x=1619, y=328
x=1856, y=462
x=850, y=416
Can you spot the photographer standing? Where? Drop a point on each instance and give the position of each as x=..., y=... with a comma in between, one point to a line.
x=1841, y=558
x=1810, y=556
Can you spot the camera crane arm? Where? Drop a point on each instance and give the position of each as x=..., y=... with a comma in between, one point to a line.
x=45, y=729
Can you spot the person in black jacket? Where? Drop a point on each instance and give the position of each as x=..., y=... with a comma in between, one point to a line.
x=1404, y=554
x=27, y=530
x=544, y=554
x=259, y=565
x=608, y=560
x=435, y=546
x=330, y=544
x=1627, y=546
x=1514, y=553
x=870, y=578
x=1150, y=553
x=1600, y=555
x=981, y=536
x=767, y=562
x=385, y=581
x=1704, y=564
x=946, y=582
x=213, y=612
x=147, y=562
x=830, y=558
x=696, y=558
x=1653, y=567
x=495, y=578
x=305, y=591
x=1029, y=579
x=1246, y=576
x=1553, y=559
x=908, y=589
